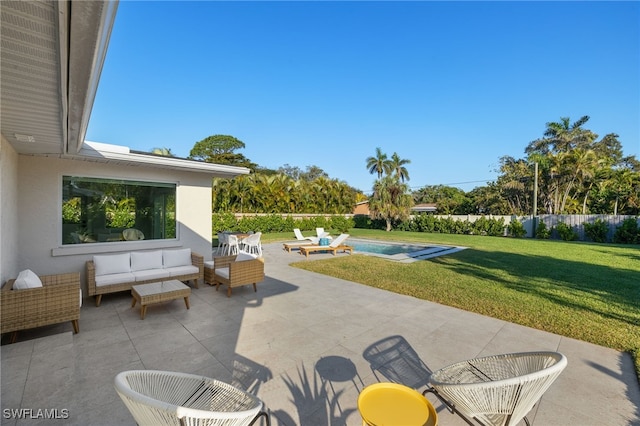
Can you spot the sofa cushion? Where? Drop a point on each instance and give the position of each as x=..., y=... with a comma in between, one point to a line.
x=242, y=256
x=209, y=264
x=112, y=264
x=145, y=260
x=223, y=272
x=27, y=279
x=151, y=274
x=183, y=270
x=109, y=279
x=173, y=258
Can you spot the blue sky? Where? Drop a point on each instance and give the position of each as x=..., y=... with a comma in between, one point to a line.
x=451, y=86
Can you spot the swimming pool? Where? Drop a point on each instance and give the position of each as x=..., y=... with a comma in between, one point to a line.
x=400, y=252
x=387, y=248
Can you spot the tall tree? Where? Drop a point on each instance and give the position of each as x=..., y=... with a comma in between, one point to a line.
x=379, y=164
x=562, y=136
x=391, y=200
x=220, y=149
x=397, y=166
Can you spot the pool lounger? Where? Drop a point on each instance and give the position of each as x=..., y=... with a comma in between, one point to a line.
x=289, y=246
x=306, y=249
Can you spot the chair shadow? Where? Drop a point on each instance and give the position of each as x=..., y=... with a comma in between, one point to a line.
x=249, y=375
x=395, y=359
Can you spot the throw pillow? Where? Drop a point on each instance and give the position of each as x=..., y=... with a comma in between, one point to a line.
x=27, y=279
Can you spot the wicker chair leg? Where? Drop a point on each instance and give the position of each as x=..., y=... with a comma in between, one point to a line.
x=98, y=299
x=228, y=290
x=255, y=290
x=76, y=326
x=14, y=337
x=195, y=283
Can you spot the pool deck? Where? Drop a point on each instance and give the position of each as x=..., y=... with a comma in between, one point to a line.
x=301, y=344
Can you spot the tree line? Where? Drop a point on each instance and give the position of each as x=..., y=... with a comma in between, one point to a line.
x=577, y=173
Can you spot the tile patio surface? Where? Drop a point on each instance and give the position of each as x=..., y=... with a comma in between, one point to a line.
x=299, y=344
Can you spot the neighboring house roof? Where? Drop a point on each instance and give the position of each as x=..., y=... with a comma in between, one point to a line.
x=425, y=207
x=52, y=56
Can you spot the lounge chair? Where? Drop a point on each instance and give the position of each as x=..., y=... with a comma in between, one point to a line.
x=322, y=233
x=336, y=244
x=301, y=237
x=297, y=244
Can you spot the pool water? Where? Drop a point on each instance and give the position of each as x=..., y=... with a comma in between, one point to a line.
x=388, y=249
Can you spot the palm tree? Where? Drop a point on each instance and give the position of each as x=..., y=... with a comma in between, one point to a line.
x=397, y=167
x=391, y=200
x=379, y=164
x=563, y=136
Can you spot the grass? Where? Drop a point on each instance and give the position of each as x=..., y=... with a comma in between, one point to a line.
x=589, y=292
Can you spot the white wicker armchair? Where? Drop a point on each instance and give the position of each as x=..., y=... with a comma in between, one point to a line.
x=497, y=390
x=172, y=398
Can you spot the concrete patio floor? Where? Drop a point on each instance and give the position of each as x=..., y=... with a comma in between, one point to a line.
x=299, y=344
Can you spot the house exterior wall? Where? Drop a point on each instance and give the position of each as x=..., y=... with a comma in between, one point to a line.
x=40, y=213
x=8, y=211
x=361, y=208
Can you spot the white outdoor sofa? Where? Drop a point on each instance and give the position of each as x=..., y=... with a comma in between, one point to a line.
x=112, y=273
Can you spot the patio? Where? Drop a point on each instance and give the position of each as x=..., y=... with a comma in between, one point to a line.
x=298, y=344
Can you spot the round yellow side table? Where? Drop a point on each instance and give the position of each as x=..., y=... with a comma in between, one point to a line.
x=392, y=404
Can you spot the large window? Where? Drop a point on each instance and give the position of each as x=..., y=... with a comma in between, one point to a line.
x=106, y=210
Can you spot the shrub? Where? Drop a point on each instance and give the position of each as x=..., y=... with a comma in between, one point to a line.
x=566, y=232
x=341, y=223
x=516, y=229
x=362, y=221
x=597, y=231
x=542, y=232
x=223, y=222
x=627, y=232
x=484, y=226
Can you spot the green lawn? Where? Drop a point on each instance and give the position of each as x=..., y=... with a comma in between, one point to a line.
x=589, y=292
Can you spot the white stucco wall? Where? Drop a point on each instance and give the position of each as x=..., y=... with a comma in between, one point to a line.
x=8, y=211
x=40, y=213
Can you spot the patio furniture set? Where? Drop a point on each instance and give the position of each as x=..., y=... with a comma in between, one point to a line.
x=32, y=301
x=495, y=390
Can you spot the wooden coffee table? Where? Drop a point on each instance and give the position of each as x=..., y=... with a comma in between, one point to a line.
x=161, y=291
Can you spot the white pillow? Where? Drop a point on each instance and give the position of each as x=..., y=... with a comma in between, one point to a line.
x=242, y=256
x=112, y=264
x=27, y=279
x=172, y=258
x=145, y=260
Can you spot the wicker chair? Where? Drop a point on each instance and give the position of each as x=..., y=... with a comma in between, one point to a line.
x=497, y=390
x=171, y=398
x=58, y=300
x=227, y=271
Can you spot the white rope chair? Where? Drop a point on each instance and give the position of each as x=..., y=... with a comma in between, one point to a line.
x=171, y=398
x=497, y=390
